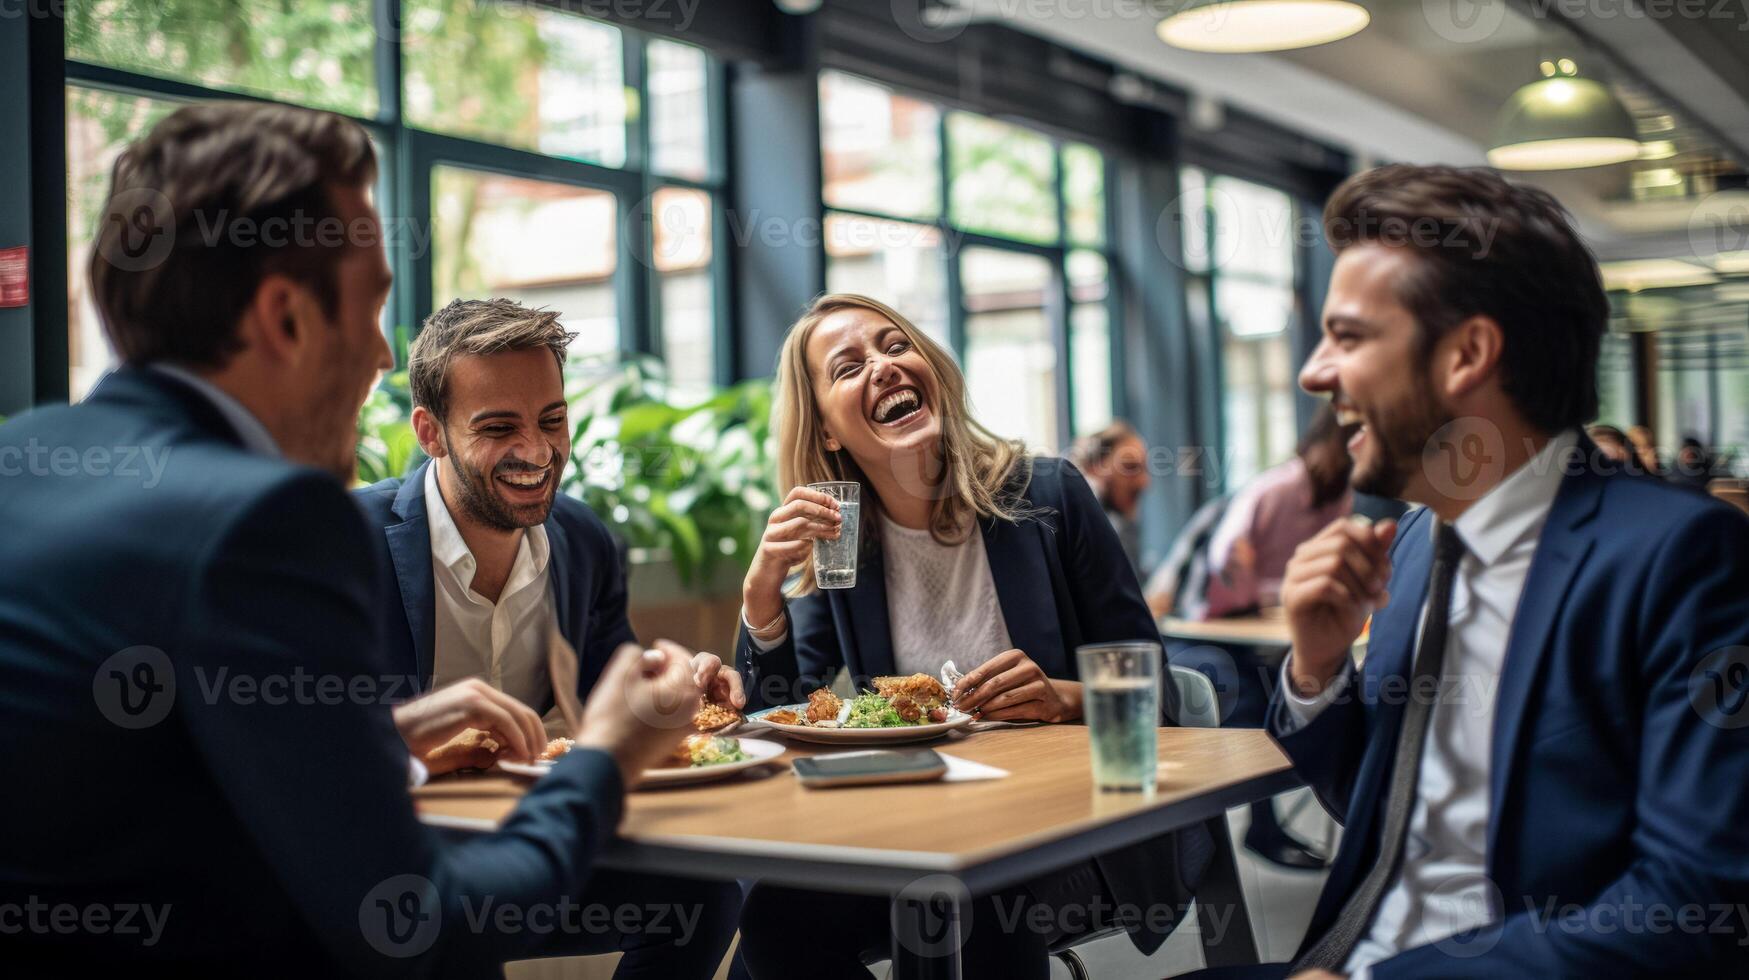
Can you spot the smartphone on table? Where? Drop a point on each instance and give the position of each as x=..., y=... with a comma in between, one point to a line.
x=869, y=768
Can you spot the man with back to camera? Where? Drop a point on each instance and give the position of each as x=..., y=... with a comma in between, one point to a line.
x=1542, y=768
x=192, y=665
x=486, y=558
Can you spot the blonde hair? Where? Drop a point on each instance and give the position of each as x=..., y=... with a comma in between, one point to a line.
x=982, y=475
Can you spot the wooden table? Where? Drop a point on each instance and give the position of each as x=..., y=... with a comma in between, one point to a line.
x=931, y=846
x=1265, y=631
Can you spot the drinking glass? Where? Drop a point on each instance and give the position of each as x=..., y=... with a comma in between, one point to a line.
x=835, y=561
x=1121, y=702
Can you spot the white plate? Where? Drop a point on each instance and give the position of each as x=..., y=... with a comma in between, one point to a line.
x=759, y=751
x=860, y=736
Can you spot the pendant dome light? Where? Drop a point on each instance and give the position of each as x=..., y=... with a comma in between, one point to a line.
x=1249, y=26
x=1562, y=122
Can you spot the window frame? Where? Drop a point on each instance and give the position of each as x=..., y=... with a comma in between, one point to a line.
x=1200, y=282
x=408, y=154
x=1059, y=303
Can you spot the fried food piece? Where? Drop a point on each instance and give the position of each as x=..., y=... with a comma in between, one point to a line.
x=823, y=705
x=556, y=748
x=682, y=755
x=906, y=708
x=937, y=715
x=712, y=717
x=921, y=688
x=474, y=744
x=785, y=717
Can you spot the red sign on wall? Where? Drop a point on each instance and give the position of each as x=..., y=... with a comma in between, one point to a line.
x=15, y=276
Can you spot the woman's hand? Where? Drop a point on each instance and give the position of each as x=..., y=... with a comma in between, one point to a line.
x=806, y=515
x=1011, y=687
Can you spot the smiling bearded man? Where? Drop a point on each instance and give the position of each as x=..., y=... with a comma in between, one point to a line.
x=490, y=559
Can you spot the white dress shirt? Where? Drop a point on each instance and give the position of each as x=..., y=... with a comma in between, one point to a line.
x=1440, y=890
x=255, y=436
x=503, y=643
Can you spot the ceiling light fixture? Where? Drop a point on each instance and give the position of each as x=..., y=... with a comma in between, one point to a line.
x=1562, y=122
x=1249, y=26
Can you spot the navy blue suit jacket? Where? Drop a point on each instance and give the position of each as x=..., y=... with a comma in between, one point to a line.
x=1614, y=786
x=585, y=572
x=192, y=692
x=1063, y=581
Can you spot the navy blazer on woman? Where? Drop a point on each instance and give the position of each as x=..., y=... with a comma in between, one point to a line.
x=189, y=663
x=1063, y=581
x=1618, y=781
x=584, y=565
x=1061, y=578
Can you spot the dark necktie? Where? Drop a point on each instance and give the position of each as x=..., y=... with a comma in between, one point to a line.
x=1331, y=952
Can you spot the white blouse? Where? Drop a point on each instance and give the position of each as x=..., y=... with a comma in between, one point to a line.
x=941, y=601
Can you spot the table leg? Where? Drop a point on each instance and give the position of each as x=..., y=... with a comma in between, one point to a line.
x=927, y=919
x=1222, y=918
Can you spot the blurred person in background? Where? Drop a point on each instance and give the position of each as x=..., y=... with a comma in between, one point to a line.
x=1694, y=466
x=1611, y=442
x=1247, y=556
x=1115, y=462
x=1645, y=449
x=1282, y=507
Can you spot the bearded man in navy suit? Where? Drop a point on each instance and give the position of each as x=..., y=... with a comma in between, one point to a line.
x=1542, y=766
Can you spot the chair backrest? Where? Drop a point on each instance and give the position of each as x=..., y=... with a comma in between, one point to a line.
x=1198, y=707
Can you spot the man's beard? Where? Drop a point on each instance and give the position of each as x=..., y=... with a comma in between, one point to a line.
x=1399, y=441
x=481, y=502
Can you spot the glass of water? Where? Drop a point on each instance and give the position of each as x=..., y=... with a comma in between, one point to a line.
x=835, y=561
x=1120, y=685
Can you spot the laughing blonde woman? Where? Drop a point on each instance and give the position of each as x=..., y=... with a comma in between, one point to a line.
x=969, y=550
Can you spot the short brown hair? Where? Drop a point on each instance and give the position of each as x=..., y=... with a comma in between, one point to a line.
x=170, y=269
x=476, y=326
x=1487, y=246
x=1088, y=450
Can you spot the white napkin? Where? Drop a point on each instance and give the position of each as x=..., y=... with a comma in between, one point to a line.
x=965, y=770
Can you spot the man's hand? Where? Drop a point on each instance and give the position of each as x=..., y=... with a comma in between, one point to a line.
x=1334, y=582
x=720, y=684
x=641, y=707
x=431, y=720
x=1011, y=687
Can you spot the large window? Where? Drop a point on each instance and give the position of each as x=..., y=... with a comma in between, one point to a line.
x=526, y=152
x=537, y=242
x=1703, y=388
x=1239, y=253
x=988, y=234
